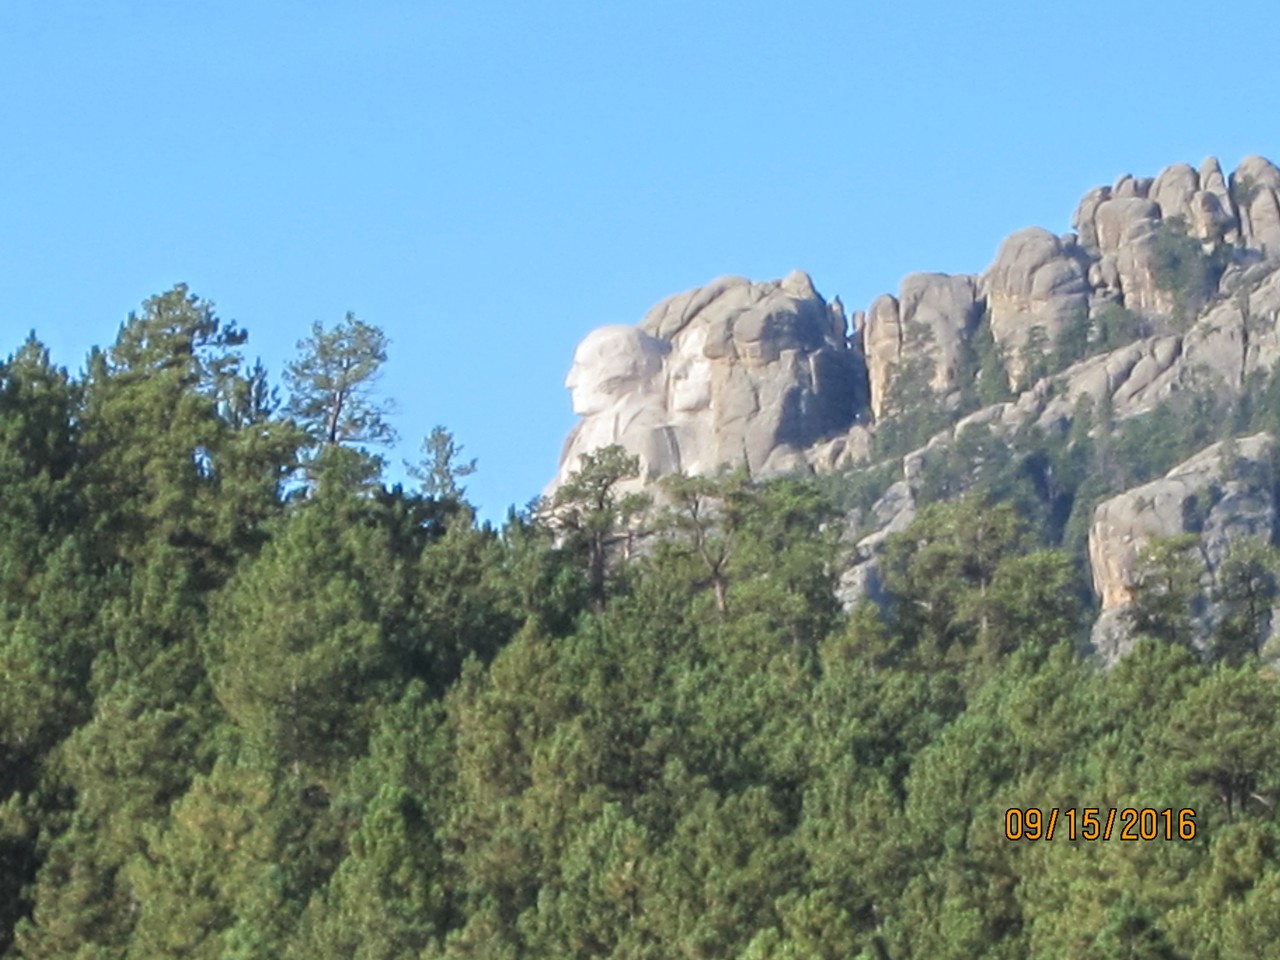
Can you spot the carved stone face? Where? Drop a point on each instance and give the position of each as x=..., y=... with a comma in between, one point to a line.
x=690, y=386
x=611, y=363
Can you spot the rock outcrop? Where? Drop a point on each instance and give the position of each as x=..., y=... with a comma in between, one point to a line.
x=920, y=334
x=1037, y=285
x=1235, y=339
x=769, y=375
x=891, y=514
x=1040, y=283
x=733, y=373
x=1222, y=494
x=1118, y=225
x=772, y=376
x=1256, y=185
x=1122, y=268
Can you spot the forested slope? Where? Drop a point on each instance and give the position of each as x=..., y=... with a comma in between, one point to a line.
x=255, y=703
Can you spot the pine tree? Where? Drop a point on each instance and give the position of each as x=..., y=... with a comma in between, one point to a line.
x=1223, y=734
x=294, y=657
x=442, y=466
x=940, y=572
x=332, y=396
x=39, y=457
x=1245, y=590
x=706, y=516
x=153, y=436
x=591, y=516
x=1166, y=590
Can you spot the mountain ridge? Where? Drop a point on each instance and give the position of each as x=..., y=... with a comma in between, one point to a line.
x=1157, y=248
x=1166, y=289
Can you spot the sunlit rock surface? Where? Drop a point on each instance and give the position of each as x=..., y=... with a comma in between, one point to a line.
x=732, y=374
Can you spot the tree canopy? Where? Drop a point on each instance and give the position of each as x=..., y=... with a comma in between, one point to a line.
x=240, y=721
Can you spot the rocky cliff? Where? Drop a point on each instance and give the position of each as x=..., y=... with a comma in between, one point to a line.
x=1168, y=285
x=1221, y=496
x=733, y=373
x=772, y=376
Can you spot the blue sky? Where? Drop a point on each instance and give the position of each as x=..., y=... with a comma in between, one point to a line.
x=489, y=181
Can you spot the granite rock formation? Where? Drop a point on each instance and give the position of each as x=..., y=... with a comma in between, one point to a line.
x=1256, y=187
x=1037, y=285
x=773, y=377
x=922, y=332
x=1237, y=337
x=733, y=373
x=1222, y=494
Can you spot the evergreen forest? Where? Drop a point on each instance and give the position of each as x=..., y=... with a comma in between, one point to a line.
x=257, y=703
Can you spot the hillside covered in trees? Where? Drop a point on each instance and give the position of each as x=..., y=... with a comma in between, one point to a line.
x=256, y=703
x=1118, y=381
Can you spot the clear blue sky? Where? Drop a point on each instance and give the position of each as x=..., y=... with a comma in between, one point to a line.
x=489, y=181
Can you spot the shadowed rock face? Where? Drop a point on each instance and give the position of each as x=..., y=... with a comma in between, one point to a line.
x=1220, y=494
x=733, y=373
x=1257, y=185
x=766, y=375
x=1036, y=286
x=928, y=323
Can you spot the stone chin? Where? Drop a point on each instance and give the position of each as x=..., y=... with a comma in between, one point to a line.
x=592, y=398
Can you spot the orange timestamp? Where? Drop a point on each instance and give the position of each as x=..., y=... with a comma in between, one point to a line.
x=1090, y=823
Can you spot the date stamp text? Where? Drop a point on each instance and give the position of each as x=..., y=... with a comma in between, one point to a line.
x=1099, y=823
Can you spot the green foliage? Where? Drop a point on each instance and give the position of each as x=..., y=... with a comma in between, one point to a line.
x=1115, y=326
x=442, y=467
x=1085, y=335
x=385, y=900
x=298, y=656
x=159, y=449
x=332, y=394
x=990, y=376
x=591, y=516
x=1182, y=269
x=858, y=489
x=1073, y=342
x=1166, y=590
x=1132, y=933
x=785, y=567
x=911, y=412
x=964, y=579
x=708, y=517
x=1245, y=592
x=1036, y=355
x=1219, y=736
x=980, y=460
x=1148, y=446
x=39, y=452
x=237, y=723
